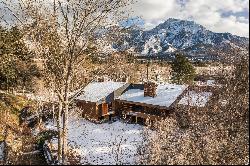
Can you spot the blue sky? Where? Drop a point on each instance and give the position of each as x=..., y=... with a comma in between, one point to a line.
x=216, y=15
x=133, y=21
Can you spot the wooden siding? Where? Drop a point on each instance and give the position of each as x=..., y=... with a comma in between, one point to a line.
x=150, y=117
x=89, y=109
x=141, y=110
x=143, y=104
x=104, y=109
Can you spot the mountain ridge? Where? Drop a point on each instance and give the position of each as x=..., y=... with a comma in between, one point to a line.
x=191, y=38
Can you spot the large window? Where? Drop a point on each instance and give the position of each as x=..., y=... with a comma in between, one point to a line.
x=137, y=108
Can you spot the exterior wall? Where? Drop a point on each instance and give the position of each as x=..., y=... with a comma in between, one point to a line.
x=104, y=108
x=157, y=111
x=118, y=108
x=94, y=111
x=89, y=109
x=145, y=112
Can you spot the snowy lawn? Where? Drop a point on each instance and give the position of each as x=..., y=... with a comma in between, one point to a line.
x=103, y=144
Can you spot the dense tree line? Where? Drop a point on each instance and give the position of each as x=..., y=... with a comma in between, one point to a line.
x=16, y=67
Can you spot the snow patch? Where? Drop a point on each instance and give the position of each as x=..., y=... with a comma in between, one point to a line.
x=152, y=46
x=170, y=49
x=193, y=98
x=1, y=151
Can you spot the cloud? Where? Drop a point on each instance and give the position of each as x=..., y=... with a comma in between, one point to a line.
x=217, y=16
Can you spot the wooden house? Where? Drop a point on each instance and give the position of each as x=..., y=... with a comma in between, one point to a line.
x=148, y=102
x=139, y=103
x=97, y=98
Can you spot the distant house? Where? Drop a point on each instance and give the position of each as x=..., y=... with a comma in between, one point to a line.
x=97, y=98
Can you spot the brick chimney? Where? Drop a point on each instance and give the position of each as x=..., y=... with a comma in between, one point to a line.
x=150, y=89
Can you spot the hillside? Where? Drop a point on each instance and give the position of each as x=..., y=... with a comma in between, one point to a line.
x=10, y=107
x=16, y=135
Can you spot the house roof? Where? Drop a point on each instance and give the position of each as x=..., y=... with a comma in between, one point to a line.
x=96, y=91
x=166, y=94
x=198, y=99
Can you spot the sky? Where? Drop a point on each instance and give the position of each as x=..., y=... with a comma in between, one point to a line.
x=216, y=15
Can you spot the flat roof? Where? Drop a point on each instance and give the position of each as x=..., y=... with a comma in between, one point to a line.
x=166, y=94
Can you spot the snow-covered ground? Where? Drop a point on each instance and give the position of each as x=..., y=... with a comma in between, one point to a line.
x=193, y=98
x=212, y=83
x=37, y=97
x=1, y=151
x=99, y=143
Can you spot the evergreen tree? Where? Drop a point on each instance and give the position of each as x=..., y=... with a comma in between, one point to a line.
x=183, y=71
x=16, y=67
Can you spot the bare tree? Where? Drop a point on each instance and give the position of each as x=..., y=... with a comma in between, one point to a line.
x=216, y=134
x=60, y=32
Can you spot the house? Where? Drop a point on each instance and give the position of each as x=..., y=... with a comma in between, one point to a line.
x=148, y=101
x=97, y=98
x=139, y=103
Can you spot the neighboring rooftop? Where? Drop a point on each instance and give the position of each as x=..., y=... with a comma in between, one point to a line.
x=198, y=99
x=166, y=94
x=96, y=91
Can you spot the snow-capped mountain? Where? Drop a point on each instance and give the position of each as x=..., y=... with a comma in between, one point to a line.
x=186, y=36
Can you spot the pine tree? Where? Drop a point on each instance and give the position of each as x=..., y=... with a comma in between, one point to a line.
x=183, y=71
x=16, y=67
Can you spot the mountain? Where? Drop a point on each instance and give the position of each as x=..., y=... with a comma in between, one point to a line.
x=194, y=40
